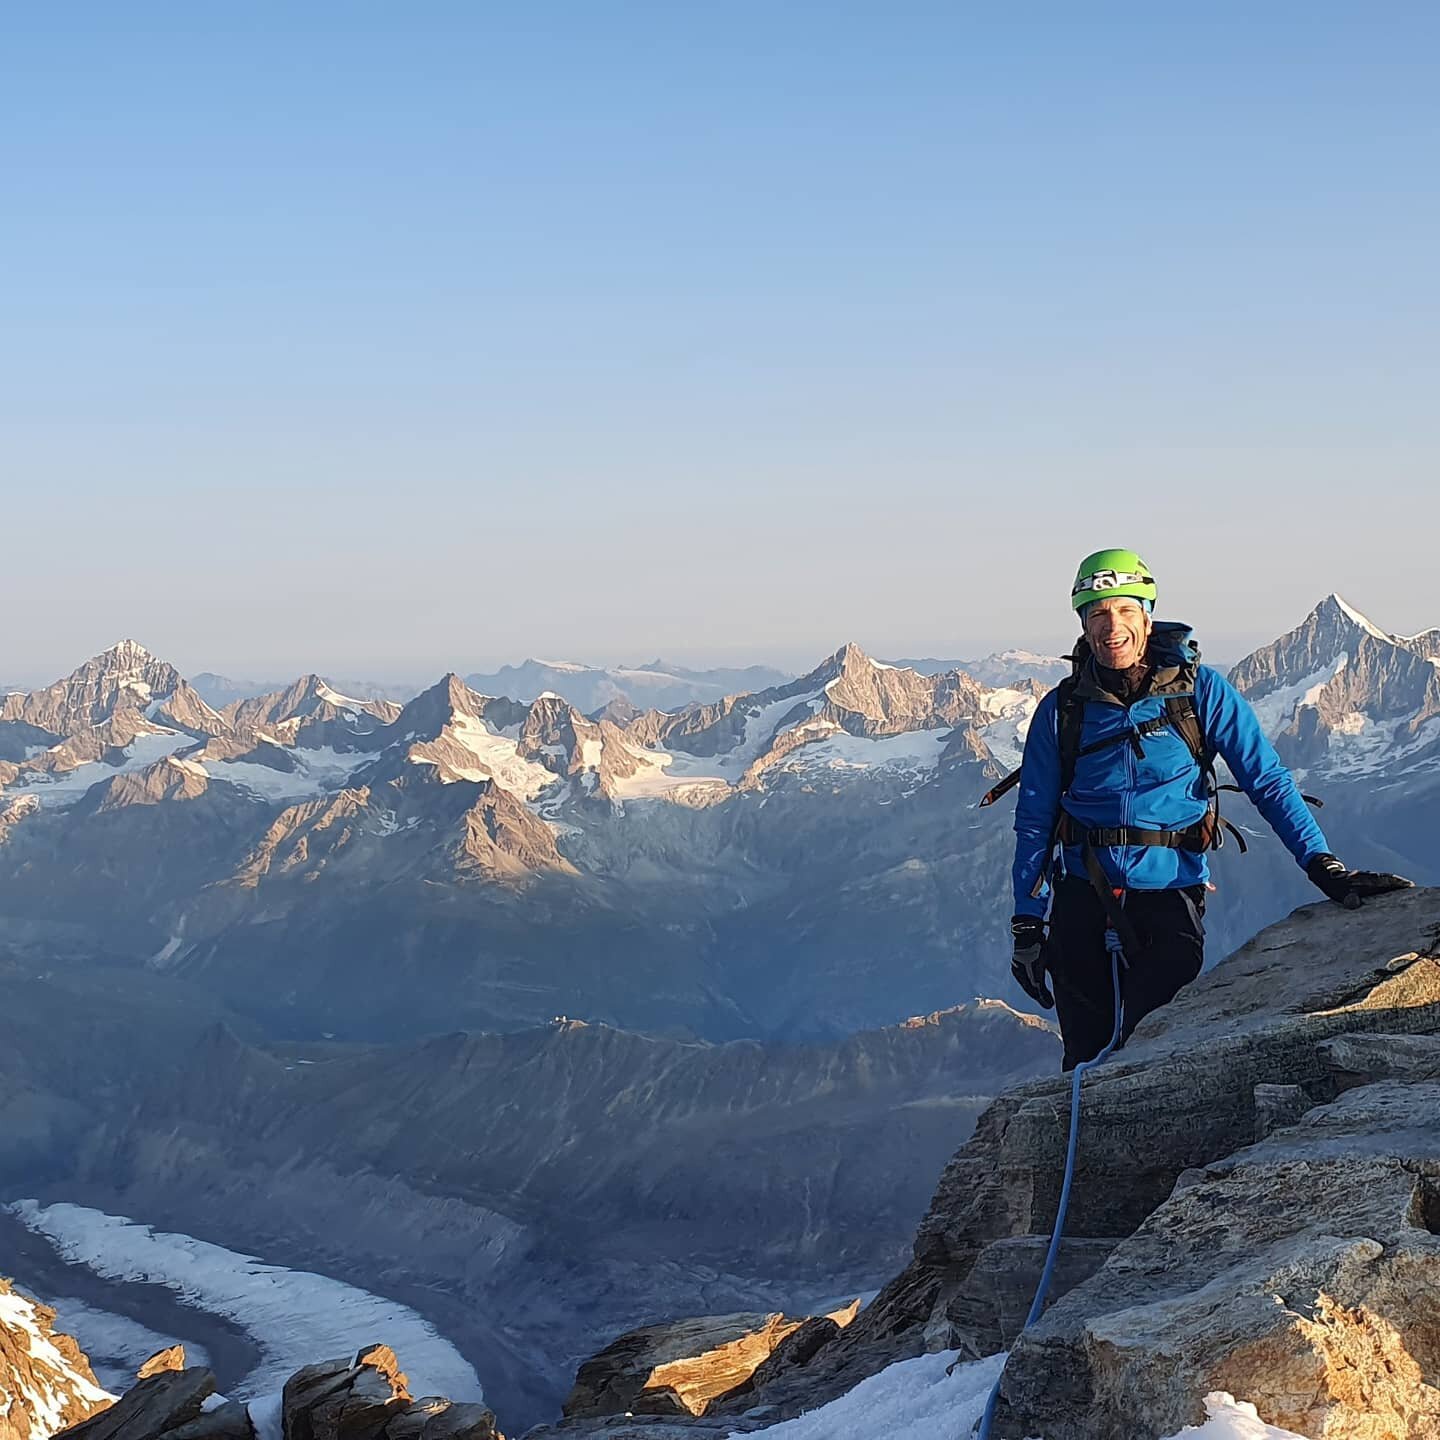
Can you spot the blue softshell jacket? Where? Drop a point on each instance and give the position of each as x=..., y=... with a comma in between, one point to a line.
x=1162, y=790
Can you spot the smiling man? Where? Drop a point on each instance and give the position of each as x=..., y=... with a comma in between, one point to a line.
x=1117, y=810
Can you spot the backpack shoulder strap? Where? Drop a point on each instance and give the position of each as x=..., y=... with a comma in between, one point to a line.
x=1181, y=713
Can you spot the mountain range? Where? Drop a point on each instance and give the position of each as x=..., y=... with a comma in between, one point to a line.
x=802, y=859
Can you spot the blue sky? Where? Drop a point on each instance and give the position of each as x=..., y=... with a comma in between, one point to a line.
x=387, y=339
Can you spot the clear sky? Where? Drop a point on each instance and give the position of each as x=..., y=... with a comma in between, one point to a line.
x=387, y=339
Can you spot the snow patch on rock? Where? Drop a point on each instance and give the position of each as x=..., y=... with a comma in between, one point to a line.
x=917, y=1400
x=910, y=1400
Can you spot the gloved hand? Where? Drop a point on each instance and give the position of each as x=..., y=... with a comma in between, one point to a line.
x=1028, y=964
x=1330, y=875
x=1350, y=887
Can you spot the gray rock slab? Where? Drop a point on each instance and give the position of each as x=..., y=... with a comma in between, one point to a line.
x=150, y=1407
x=1362, y=1059
x=1301, y=1273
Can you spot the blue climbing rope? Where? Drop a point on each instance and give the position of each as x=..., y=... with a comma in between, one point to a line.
x=1037, y=1305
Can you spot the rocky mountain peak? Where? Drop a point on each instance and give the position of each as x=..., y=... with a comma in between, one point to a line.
x=1339, y=692
x=1332, y=634
x=128, y=663
x=311, y=710
x=435, y=708
x=124, y=677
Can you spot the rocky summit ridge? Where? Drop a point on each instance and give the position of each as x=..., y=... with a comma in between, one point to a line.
x=1256, y=1211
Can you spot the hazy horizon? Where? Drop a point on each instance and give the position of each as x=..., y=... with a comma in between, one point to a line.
x=385, y=343
x=1226, y=652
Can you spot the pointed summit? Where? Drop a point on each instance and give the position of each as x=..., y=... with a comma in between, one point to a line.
x=1334, y=605
x=847, y=660
x=1330, y=636
x=449, y=703
x=1337, y=692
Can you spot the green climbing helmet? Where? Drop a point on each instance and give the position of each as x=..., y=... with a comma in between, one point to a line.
x=1109, y=573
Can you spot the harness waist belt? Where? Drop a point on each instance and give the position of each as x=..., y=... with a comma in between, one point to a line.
x=1197, y=837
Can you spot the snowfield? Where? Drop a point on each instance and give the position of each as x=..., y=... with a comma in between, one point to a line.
x=916, y=1400
x=295, y=1317
x=1005, y=734
x=321, y=771
x=1277, y=709
x=915, y=750
x=497, y=757
x=64, y=788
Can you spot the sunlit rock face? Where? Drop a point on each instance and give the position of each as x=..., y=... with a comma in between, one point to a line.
x=46, y=1382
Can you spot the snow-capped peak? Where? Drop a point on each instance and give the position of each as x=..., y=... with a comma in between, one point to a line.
x=1356, y=618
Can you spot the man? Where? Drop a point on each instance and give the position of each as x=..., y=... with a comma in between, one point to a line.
x=1115, y=811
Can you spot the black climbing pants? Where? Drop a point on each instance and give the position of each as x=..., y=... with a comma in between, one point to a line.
x=1171, y=929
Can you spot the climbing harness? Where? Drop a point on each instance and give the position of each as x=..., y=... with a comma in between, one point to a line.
x=1115, y=946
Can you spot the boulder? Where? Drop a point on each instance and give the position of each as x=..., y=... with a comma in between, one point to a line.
x=677, y=1368
x=798, y=1348
x=1277, y=1105
x=344, y=1400
x=152, y=1407
x=171, y=1358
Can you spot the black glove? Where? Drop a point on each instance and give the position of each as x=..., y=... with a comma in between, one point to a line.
x=1028, y=965
x=1350, y=887
x=1330, y=875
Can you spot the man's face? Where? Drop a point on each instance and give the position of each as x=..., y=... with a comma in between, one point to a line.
x=1118, y=630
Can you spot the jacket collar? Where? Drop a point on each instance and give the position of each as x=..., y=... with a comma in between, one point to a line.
x=1088, y=686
